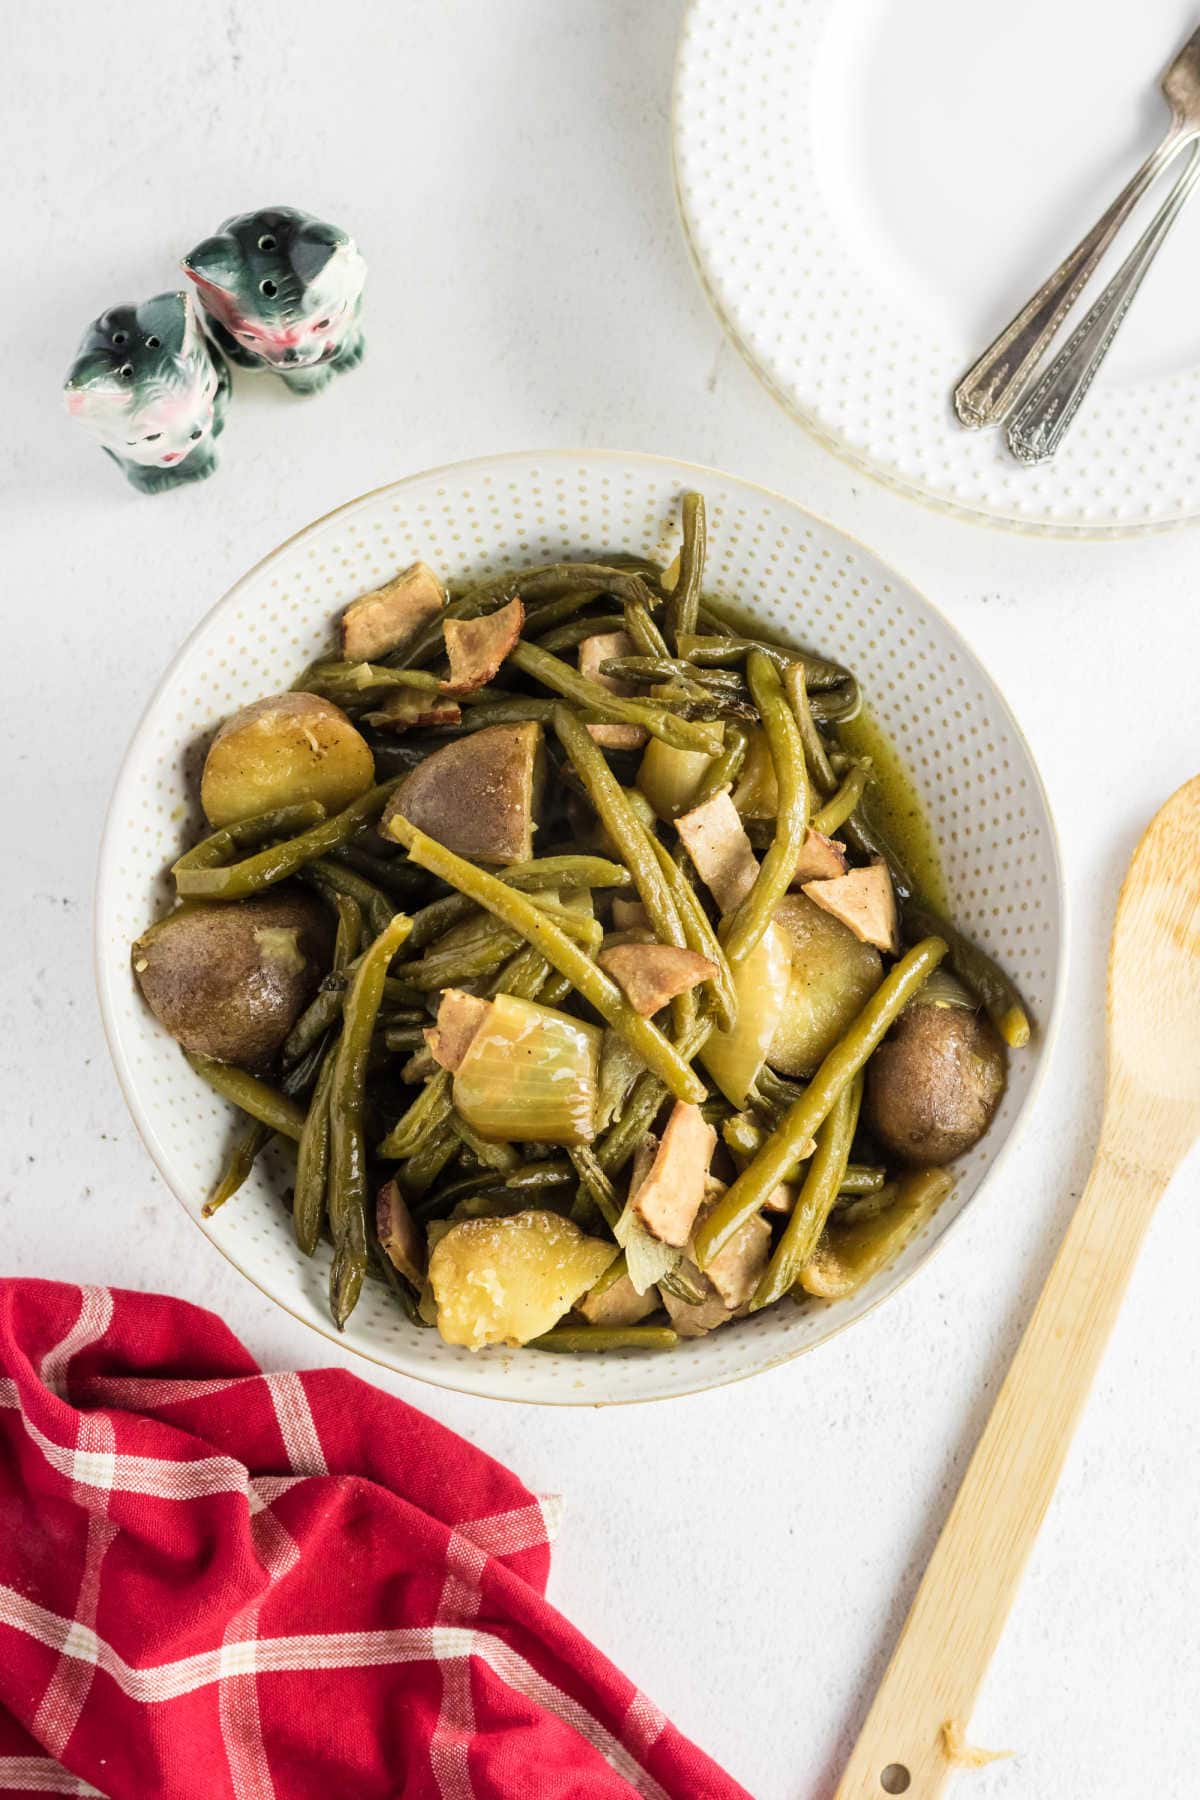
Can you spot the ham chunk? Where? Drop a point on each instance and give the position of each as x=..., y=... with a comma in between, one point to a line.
x=717, y=843
x=477, y=647
x=865, y=901
x=651, y=974
x=601, y=647
x=820, y=859
x=392, y=616
x=402, y=1241
x=696, y=1318
x=669, y=1197
x=620, y=1304
x=459, y=1017
x=736, y=1270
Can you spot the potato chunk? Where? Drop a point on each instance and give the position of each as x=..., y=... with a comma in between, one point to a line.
x=833, y=976
x=478, y=795
x=280, y=751
x=504, y=1281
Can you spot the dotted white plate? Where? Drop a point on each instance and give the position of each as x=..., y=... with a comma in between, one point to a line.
x=871, y=190
x=801, y=576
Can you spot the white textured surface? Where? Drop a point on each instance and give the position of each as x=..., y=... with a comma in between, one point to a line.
x=981, y=795
x=856, y=180
x=745, y=1555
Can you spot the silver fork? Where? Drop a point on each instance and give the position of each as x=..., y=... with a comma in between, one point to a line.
x=990, y=385
x=1042, y=416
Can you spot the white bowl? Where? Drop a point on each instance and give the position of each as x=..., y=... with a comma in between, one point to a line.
x=967, y=758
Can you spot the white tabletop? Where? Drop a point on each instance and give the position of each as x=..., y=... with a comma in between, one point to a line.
x=746, y=1556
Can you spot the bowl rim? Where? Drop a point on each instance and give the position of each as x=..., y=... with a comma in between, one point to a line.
x=104, y=973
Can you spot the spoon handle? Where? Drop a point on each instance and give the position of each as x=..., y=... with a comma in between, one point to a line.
x=968, y=1588
x=1041, y=420
x=990, y=385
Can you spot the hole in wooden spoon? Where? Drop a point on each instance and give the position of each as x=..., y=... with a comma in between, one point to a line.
x=895, y=1779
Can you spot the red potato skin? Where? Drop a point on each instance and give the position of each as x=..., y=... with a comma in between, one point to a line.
x=478, y=795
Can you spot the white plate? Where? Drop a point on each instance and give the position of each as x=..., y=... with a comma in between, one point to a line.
x=969, y=761
x=872, y=188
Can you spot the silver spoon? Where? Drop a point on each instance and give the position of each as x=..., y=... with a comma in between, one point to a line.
x=1043, y=415
x=989, y=387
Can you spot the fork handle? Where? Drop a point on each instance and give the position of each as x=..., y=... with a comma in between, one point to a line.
x=1042, y=418
x=990, y=385
x=965, y=1594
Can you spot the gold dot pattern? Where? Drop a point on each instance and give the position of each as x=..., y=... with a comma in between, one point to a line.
x=804, y=580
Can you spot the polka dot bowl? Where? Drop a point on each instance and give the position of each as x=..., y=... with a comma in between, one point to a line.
x=801, y=577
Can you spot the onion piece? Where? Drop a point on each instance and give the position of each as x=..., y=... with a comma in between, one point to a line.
x=530, y=1074
x=761, y=983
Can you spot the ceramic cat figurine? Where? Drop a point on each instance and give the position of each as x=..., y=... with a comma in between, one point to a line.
x=147, y=382
x=283, y=291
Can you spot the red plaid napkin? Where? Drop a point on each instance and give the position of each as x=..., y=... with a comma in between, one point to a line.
x=217, y=1582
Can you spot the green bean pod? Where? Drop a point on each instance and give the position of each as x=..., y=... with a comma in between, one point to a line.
x=700, y=936
x=816, y=757
x=372, y=901
x=347, y=1187
x=600, y=703
x=977, y=971
x=840, y=805
x=642, y=631
x=683, y=602
x=242, y=1158
x=517, y=910
x=278, y=861
x=253, y=1096
x=573, y=632
x=576, y=1338
x=746, y=925
x=819, y=1190
x=215, y=851
x=780, y=1153
x=312, y=1163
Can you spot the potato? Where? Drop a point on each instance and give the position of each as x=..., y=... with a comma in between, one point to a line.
x=934, y=1083
x=504, y=1281
x=280, y=751
x=229, y=980
x=833, y=977
x=479, y=795
x=762, y=984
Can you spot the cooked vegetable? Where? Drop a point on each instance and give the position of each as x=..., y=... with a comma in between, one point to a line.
x=278, y=861
x=934, y=1084
x=651, y=974
x=816, y=1198
x=347, y=1191
x=312, y=1162
x=983, y=976
x=529, y=1073
x=776, y=1158
x=764, y=990
x=598, y=703
x=282, y=751
x=837, y=810
x=504, y=1281
x=219, y=848
x=744, y=928
x=684, y=603
x=481, y=793
x=477, y=647
x=756, y=795
x=255, y=1097
x=671, y=779
x=406, y=711
x=864, y=902
x=393, y=616
x=832, y=976
x=849, y=1255
x=606, y=1337
x=230, y=982
x=596, y=988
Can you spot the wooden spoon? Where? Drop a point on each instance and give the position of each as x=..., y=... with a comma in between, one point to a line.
x=1151, y=1119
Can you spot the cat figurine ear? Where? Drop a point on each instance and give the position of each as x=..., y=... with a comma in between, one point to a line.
x=283, y=291
x=150, y=386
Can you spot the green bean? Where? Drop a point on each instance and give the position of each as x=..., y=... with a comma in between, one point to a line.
x=615, y=1272
x=279, y=861
x=215, y=851
x=776, y=1159
x=241, y=1160
x=522, y=710
x=642, y=631
x=569, y=871
x=820, y=670
x=670, y=669
x=606, y=1337
x=426, y=1164
x=599, y=702
x=634, y=843
x=565, y=637
x=836, y=705
x=820, y=770
x=860, y=1178
x=774, y=1091
x=312, y=1163
x=479, y=955
x=551, y=1173
x=595, y=1180
x=977, y=971
x=744, y=929
x=374, y=903
x=424, y=1116
x=349, y=932
x=700, y=936
x=392, y=874
x=554, y=990
x=517, y=910
x=814, y=1203
x=525, y=976
x=745, y=1139
x=837, y=810
x=401, y=1038
x=253, y=1096
x=346, y=681
x=683, y=602
x=430, y=922
x=325, y=1010
x=622, y=1138
x=723, y=770
x=379, y=1265
x=347, y=1188
x=540, y=587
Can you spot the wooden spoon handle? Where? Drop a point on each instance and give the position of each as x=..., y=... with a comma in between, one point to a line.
x=966, y=1592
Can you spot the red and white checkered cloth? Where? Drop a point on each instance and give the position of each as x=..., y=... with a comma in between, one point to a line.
x=215, y=1582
